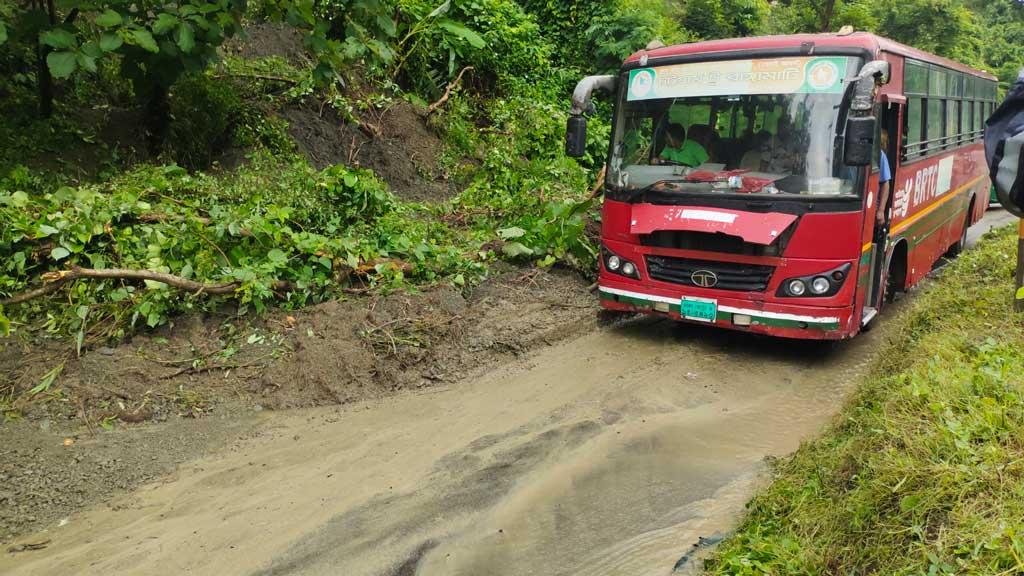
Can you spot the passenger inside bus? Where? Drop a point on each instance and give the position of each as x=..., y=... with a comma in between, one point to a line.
x=678, y=149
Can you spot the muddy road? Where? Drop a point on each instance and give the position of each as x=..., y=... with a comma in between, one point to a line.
x=611, y=453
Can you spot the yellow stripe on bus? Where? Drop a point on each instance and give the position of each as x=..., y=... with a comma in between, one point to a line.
x=910, y=221
x=867, y=247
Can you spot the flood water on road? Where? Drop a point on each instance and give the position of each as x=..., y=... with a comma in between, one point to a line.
x=608, y=454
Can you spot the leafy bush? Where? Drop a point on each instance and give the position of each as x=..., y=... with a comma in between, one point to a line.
x=271, y=222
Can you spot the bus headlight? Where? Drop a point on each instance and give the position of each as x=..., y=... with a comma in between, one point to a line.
x=820, y=285
x=825, y=283
x=618, y=265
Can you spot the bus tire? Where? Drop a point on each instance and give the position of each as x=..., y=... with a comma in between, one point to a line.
x=957, y=248
x=896, y=273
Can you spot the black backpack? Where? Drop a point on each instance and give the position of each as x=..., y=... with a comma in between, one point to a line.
x=1004, y=149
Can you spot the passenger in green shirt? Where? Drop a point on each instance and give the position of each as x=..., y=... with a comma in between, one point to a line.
x=680, y=150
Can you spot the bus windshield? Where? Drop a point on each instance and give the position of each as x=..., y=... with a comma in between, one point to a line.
x=769, y=126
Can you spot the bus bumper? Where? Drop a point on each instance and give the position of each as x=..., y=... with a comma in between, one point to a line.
x=783, y=320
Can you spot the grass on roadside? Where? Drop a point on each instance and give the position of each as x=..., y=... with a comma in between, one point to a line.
x=923, y=473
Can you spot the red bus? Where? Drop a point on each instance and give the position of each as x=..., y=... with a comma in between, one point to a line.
x=743, y=178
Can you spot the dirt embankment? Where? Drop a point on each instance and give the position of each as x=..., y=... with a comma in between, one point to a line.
x=132, y=412
x=391, y=136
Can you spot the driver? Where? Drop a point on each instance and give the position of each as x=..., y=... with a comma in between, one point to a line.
x=679, y=150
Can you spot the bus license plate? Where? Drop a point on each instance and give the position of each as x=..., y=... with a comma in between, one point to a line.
x=700, y=309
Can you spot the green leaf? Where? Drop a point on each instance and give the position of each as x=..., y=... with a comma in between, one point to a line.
x=442, y=9
x=387, y=25
x=461, y=31
x=277, y=256
x=510, y=233
x=59, y=253
x=87, y=62
x=110, y=41
x=108, y=19
x=62, y=64
x=185, y=37
x=92, y=50
x=3, y=38
x=515, y=249
x=1020, y=293
x=47, y=380
x=165, y=23
x=5, y=323
x=58, y=38
x=143, y=39
x=46, y=230
x=19, y=200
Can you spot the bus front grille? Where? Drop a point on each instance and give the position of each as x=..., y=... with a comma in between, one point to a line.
x=726, y=275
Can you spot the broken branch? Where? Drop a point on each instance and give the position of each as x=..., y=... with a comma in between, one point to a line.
x=447, y=91
x=52, y=281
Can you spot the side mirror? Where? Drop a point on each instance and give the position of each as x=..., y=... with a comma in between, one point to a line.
x=576, y=137
x=860, y=141
x=576, y=129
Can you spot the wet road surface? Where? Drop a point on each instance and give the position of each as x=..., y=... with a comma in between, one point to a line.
x=609, y=454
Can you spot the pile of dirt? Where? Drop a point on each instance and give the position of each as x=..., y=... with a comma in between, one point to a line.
x=266, y=39
x=392, y=139
x=395, y=143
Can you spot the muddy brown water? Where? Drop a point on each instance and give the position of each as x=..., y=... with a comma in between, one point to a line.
x=611, y=453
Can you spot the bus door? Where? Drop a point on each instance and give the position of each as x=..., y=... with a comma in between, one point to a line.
x=888, y=115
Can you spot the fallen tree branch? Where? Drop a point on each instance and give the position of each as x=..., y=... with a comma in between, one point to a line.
x=52, y=281
x=447, y=91
x=43, y=290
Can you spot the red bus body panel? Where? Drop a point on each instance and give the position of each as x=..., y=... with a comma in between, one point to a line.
x=751, y=226
x=929, y=209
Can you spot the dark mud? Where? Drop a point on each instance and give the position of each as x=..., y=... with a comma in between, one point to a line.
x=395, y=142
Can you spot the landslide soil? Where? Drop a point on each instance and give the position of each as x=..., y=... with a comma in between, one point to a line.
x=391, y=137
x=171, y=395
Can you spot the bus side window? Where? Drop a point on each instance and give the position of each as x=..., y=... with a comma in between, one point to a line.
x=912, y=124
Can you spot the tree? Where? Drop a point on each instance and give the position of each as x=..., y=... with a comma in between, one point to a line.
x=709, y=19
x=792, y=16
x=945, y=27
x=156, y=42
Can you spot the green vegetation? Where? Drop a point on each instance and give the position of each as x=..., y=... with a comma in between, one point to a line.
x=924, y=471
